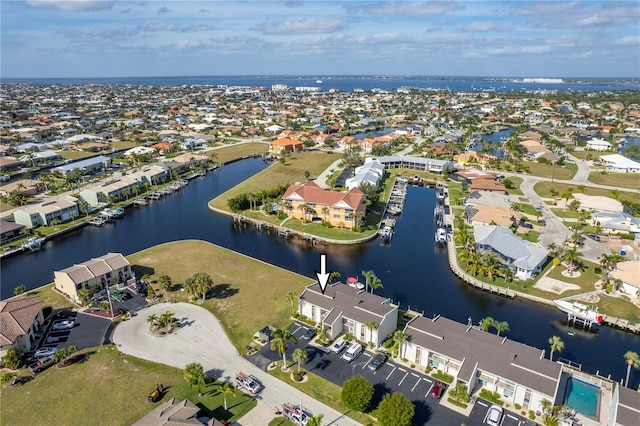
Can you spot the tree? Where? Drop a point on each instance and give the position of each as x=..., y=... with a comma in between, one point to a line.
x=501, y=326
x=371, y=325
x=84, y=295
x=566, y=195
x=292, y=296
x=315, y=421
x=486, y=323
x=357, y=393
x=395, y=409
x=572, y=258
x=194, y=374
x=368, y=276
x=60, y=355
x=12, y=358
x=20, y=289
x=164, y=281
x=227, y=389
x=7, y=377
x=632, y=361
x=167, y=319
x=398, y=337
x=459, y=393
x=491, y=266
x=280, y=337
x=375, y=283
x=300, y=356
x=199, y=283
x=334, y=277
x=556, y=345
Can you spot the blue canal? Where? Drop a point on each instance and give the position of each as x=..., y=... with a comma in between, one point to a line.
x=413, y=270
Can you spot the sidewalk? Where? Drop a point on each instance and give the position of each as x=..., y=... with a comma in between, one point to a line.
x=204, y=341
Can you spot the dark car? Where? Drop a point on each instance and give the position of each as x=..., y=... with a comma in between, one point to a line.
x=437, y=389
x=126, y=295
x=377, y=361
x=309, y=334
x=594, y=237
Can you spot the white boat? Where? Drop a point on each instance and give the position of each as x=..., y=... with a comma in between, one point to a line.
x=386, y=233
x=580, y=311
x=117, y=212
x=318, y=81
x=353, y=282
x=32, y=243
x=108, y=213
x=441, y=236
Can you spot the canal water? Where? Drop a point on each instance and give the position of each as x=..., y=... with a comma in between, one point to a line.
x=413, y=270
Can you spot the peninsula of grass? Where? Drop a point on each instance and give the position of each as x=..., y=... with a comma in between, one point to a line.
x=225, y=154
x=248, y=294
x=322, y=390
x=119, y=382
x=619, y=308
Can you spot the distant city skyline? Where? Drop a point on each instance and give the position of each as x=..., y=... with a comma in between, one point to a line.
x=552, y=39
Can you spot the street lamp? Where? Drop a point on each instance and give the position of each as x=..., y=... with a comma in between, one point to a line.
x=553, y=171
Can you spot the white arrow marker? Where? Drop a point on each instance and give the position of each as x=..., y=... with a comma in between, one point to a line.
x=323, y=275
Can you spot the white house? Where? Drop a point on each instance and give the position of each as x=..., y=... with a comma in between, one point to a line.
x=370, y=172
x=62, y=209
x=432, y=165
x=629, y=273
x=620, y=164
x=616, y=222
x=598, y=145
x=524, y=257
x=345, y=309
x=478, y=359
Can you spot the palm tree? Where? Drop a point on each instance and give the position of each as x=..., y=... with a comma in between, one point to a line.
x=333, y=277
x=167, y=319
x=279, y=342
x=164, y=281
x=194, y=374
x=300, y=356
x=303, y=209
x=490, y=266
x=371, y=325
x=292, y=296
x=556, y=345
x=201, y=282
x=325, y=212
x=226, y=389
x=398, y=337
x=368, y=276
x=153, y=320
x=501, y=326
x=463, y=236
x=375, y=283
x=19, y=289
x=315, y=421
x=486, y=323
x=474, y=262
x=572, y=258
x=632, y=361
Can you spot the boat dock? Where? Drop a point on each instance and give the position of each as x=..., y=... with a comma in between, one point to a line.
x=98, y=221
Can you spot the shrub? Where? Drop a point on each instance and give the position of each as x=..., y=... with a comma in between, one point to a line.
x=395, y=409
x=413, y=366
x=428, y=369
x=491, y=396
x=532, y=414
x=517, y=406
x=357, y=393
x=12, y=359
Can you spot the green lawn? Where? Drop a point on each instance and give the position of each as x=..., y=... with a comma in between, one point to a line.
x=322, y=390
x=233, y=152
x=619, y=308
x=565, y=172
x=543, y=189
x=622, y=180
x=565, y=213
x=516, y=182
x=108, y=388
x=237, y=280
x=49, y=296
x=526, y=209
x=531, y=236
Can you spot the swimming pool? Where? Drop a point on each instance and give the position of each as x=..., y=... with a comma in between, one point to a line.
x=582, y=397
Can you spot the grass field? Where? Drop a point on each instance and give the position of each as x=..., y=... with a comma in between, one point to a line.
x=49, y=297
x=248, y=294
x=233, y=152
x=543, y=189
x=108, y=388
x=619, y=308
x=622, y=180
x=565, y=172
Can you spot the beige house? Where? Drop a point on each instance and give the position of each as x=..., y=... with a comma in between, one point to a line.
x=310, y=202
x=629, y=274
x=62, y=209
x=102, y=271
x=19, y=321
x=492, y=215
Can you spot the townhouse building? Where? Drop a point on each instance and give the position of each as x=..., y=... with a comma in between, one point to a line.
x=61, y=209
x=20, y=319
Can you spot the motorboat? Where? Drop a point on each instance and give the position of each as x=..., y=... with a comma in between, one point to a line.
x=386, y=233
x=355, y=283
x=441, y=236
x=580, y=311
x=32, y=243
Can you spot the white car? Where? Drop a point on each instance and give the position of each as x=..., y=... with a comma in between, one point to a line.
x=494, y=415
x=63, y=325
x=46, y=351
x=338, y=346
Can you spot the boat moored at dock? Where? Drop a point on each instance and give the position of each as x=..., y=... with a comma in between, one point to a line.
x=578, y=312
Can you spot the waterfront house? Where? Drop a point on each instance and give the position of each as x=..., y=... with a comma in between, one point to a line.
x=617, y=163
x=629, y=275
x=525, y=258
x=282, y=145
x=492, y=215
x=310, y=202
x=152, y=174
x=626, y=411
x=102, y=271
x=116, y=189
x=9, y=230
x=596, y=144
x=486, y=185
x=20, y=319
x=346, y=309
x=63, y=208
x=431, y=165
x=371, y=172
x=481, y=360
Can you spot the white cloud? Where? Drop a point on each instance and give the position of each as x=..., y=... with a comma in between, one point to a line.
x=73, y=5
x=300, y=26
x=398, y=8
x=633, y=41
x=486, y=26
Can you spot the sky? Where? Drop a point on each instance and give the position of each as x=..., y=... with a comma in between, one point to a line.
x=83, y=38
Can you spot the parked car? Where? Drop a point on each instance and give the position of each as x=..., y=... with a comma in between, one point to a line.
x=126, y=295
x=248, y=383
x=352, y=352
x=4, y=178
x=309, y=334
x=338, y=346
x=494, y=415
x=437, y=389
x=63, y=325
x=377, y=360
x=53, y=339
x=594, y=237
x=45, y=351
x=40, y=365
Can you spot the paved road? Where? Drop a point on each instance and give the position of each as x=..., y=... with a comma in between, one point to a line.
x=203, y=340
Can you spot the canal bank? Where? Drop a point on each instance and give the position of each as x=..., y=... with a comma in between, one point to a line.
x=414, y=270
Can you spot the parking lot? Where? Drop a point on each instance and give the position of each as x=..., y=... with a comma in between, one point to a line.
x=389, y=377
x=87, y=331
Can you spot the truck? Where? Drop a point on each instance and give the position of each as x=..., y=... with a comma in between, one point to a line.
x=296, y=414
x=248, y=383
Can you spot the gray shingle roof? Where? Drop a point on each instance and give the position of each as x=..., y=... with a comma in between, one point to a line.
x=525, y=255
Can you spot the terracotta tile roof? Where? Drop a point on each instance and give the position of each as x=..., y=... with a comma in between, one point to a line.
x=312, y=193
x=16, y=317
x=285, y=142
x=486, y=185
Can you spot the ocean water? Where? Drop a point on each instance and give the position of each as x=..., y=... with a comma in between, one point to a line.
x=348, y=83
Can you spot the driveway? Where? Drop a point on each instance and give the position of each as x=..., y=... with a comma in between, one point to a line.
x=201, y=339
